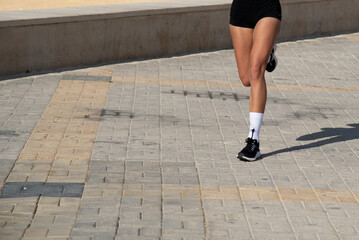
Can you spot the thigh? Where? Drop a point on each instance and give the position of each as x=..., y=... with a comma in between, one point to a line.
x=242, y=39
x=264, y=36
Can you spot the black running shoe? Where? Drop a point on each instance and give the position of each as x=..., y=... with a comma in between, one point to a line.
x=273, y=61
x=251, y=151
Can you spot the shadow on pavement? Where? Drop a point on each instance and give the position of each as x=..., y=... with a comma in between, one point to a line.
x=327, y=136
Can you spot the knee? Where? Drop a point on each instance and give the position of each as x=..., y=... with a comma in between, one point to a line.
x=245, y=79
x=246, y=83
x=257, y=71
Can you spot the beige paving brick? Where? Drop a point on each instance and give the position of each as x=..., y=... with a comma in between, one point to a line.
x=40, y=220
x=17, y=177
x=66, y=179
x=26, y=208
x=49, y=201
x=59, y=231
x=297, y=195
x=336, y=196
x=36, y=232
x=219, y=192
x=37, y=177
x=45, y=209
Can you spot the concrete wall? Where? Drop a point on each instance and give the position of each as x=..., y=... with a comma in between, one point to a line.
x=39, y=40
x=302, y=18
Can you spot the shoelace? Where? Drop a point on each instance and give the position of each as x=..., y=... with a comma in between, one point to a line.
x=250, y=143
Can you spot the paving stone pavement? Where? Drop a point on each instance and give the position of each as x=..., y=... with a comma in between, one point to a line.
x=147, y=149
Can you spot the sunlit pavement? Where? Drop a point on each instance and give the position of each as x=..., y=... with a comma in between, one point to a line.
x=147, y=149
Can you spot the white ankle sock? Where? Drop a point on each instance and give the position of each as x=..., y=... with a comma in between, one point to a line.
x=255, y=122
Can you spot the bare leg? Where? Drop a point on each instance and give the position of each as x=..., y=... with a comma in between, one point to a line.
x=242, y=39
x=264, y=35
x=252, y=48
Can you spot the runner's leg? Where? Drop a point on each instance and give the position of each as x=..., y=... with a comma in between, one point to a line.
x=242, y=39
x=264, y=35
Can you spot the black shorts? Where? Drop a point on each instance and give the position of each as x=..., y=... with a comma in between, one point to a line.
x=246, y=13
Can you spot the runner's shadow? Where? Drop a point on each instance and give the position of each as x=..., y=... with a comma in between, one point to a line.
x=328, y=136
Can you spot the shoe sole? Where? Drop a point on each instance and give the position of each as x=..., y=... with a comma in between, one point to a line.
x=244, y=158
